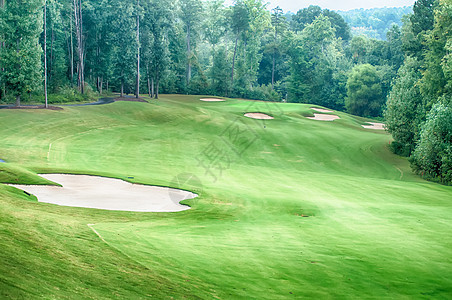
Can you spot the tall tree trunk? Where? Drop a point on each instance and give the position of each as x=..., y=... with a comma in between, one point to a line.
x=101, y=84
x=79, y=34
x=233, y=60
x=138, y=50
x=17, y=52
x=149, y=87
x=152, y=87
x=82, y=46
x=274, y=58
x=71, y=52
x=45, y=53
x=122, y=88
x=273, y=68
x=157, y=88
x=2, y=45
x=157, y=79
x=51, y=60
x=188, y=55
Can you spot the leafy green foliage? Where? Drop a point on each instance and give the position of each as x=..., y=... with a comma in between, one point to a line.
x=220, y=72
x=307, y=15
x=315, y=56
x=364, y=92
x=20, y=54
x=413, y=95
x=433, y=155
x=405, y=108
x=375, y=22
x=435, y=81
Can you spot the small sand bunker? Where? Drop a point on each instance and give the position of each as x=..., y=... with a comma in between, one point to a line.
x=212, y=99
x=107, y=193
x=373, y=125
x=259, y=116
x=324, y=117
x=321, y=110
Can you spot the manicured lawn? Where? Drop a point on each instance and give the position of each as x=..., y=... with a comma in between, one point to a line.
x=289, y=207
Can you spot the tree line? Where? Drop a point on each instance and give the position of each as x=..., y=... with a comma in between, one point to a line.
x=187, y=46
x=245, y=50
x=418, y=111
x=375, y=22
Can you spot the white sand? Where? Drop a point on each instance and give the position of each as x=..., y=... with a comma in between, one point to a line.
x=212, y=99
x=324, y=117
x=321, y=110
x=373, y=125
x=258, y=116
x=107, y=193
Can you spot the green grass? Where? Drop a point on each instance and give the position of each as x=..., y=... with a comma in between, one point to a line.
x=308, y=209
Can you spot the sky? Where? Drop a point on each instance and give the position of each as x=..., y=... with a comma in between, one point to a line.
x=295, y=5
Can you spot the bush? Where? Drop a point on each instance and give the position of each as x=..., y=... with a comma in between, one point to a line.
x=262, y=92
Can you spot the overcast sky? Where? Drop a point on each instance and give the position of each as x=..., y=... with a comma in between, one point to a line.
x=295, y=5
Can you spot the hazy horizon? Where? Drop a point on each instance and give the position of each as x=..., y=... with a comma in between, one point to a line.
x=295, y=5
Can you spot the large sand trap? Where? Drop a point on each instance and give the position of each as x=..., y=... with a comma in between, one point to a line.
x=212, y=99
x=324, y=117
x=259, y=116
x=107, y=193
x=321, y=110
x=377, y=126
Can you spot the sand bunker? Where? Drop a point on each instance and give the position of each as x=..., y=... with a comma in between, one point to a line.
x=212, y=99
x=321, y=110
x=324, y=117
x=258, y=116
x=373, y=125
x=107, y=193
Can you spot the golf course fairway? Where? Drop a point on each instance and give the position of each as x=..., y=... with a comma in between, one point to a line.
x=287, y=208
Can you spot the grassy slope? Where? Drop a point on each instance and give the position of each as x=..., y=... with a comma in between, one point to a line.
x=374, y=229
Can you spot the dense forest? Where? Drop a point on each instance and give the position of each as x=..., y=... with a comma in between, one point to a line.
x=245, y=50
x=375, y=22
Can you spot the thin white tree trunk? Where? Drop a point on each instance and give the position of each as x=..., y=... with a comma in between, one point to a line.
x=188, y=55
x=138, y=49
x=233, y=60
x=45, y=53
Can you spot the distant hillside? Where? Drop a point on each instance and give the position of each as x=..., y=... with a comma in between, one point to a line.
x=374, y=22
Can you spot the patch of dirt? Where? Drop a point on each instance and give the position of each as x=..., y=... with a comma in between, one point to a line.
x=212, y=99
x=321, y=110
x=258, y=116
x=374, y=125
x=324, y=117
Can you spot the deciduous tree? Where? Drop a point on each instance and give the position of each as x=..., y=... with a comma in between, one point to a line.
x=20, y=56
x=364, y=94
